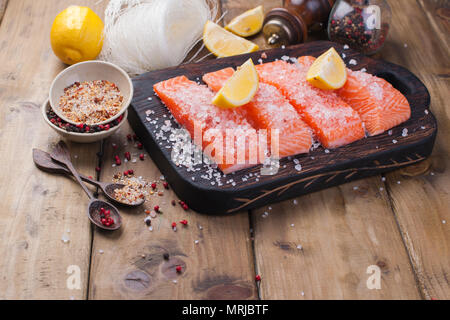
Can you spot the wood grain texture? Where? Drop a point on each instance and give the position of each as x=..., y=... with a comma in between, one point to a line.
x=342, y=231
x=129, y=264
x=338, y=244
x=3, y=4
x=419, y=40
x=37, y=208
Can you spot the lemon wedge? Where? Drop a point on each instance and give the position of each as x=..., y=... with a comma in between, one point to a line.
x=247, y=24
x=223, y=43
x=328, y=72
x=240, y=88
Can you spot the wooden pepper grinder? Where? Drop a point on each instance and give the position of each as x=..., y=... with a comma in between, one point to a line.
x=289, y=25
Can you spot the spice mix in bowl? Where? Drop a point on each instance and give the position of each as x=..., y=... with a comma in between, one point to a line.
x=91, y=93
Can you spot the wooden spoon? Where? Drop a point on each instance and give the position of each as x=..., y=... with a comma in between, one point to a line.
x=44, y=161
x=61, y=155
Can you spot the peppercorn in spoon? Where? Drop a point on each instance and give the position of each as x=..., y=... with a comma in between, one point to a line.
x=44, y=162
x=103, y=214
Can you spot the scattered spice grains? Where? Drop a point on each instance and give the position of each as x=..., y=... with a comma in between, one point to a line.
x=91, y=102
x=258, y=278
x=133, y=192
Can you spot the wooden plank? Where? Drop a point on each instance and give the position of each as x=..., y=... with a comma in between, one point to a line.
x=342, y=232
x=129, y=264
x=37, y=208
x=3, y=4
x=419, y=40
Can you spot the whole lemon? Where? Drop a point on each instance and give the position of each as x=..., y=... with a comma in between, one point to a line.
x=77, y=35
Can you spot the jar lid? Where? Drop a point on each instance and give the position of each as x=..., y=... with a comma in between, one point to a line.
x=282, y=27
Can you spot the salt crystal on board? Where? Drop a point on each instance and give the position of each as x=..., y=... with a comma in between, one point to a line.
x=394, y=141
x=298, y=167
x=346, y=47
x=405, y=132
x=344, y=56
x=353, y=62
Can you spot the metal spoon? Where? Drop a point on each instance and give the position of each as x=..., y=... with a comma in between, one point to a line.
x=43, y=161
x=61, y=154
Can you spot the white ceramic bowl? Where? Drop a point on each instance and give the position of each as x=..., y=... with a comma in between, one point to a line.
x=89, y=71
x=81, y=137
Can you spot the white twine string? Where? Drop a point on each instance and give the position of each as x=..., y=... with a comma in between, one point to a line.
x=144, y=35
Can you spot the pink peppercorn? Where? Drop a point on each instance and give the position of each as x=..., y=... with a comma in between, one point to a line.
x=98, y=169
x=184, y=222
x=178, y=268
x=141, y=156
x=130, y=172
x=153, y=185
x=128, y=156
x=140, y=146
x=166, y=185
x=156, y=208
x=258, y=277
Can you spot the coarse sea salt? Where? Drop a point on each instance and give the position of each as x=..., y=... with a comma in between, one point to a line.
x=353, y=62
x=346, y=47
x=404, y=132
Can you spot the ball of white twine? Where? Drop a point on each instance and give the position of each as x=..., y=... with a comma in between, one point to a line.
x=144, y=35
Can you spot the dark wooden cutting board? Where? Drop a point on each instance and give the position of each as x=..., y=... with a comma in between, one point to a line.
x=364, y=158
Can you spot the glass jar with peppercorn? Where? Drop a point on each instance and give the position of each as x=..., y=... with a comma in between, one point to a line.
x=361, y=24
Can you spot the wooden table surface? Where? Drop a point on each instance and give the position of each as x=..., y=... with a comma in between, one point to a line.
x=401, y=225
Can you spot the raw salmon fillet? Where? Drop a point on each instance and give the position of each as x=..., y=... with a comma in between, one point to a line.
x=332, y=120
x=269, y=110
x=379, y=104
x=190, y=104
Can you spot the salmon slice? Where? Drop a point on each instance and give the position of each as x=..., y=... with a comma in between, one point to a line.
x=332, y=120
x=216, y=80
x=379, y=104
x=190, y=104
x=269, y=110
